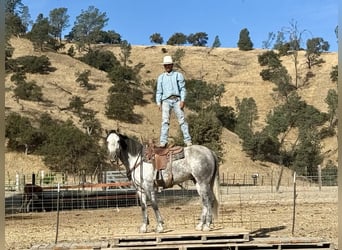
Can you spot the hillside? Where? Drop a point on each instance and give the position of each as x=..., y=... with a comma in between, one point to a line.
x=237, y=70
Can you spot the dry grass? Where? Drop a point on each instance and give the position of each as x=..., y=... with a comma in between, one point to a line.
x=237, y=70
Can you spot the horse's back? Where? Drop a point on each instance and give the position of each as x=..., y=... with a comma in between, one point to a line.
x=199, y=152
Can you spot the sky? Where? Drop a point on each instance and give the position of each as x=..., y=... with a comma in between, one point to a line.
x=137, y=20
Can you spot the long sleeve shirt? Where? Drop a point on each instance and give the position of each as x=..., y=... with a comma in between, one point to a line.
x=169, y=84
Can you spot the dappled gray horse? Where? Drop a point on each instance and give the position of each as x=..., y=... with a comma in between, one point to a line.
x=199, y=164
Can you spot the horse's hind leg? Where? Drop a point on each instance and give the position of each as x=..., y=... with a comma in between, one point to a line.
x=29, y=204
x=206, y=215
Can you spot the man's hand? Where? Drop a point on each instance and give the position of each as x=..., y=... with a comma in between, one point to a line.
x=181, y=104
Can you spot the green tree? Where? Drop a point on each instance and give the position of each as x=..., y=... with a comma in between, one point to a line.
x=262, y=146
x=200, y=94
x=216, y=43
x=28, y=91
x=32, y=64
x=156, y=38
x=91, y=124
x=332, y=101
x=307, y=154
x=16, y=15
x=198, y=39
x=67, y=148
x=245, y=43
x=76, y=104
x=177, y=39
x=110, y=37
x=125, y=49
x=206, y=129
x=177, y=57
x=120, y=106
x=88, y=26
x=21, y=135
x=276, y=73
x=334, y=73
x=59, y=21
x=39, y=34
x=247, y=113
x=269, y=58
x=83, y=79
x=295, y=116
x=100, y=59
x=225, y=114
x=314, y=48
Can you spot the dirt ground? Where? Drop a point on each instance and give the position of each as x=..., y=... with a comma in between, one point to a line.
x=262, y=214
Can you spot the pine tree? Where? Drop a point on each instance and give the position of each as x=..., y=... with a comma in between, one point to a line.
x=216, y=42
x=245, y=42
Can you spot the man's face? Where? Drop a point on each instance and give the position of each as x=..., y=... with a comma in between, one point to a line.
x=168, y=67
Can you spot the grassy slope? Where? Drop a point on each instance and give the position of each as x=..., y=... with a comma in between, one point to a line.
x=237, y=70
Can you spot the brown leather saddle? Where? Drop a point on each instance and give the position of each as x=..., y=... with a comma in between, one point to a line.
x=160, y=157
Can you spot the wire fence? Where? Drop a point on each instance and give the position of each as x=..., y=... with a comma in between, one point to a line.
x=114, y=190
x=255, y=203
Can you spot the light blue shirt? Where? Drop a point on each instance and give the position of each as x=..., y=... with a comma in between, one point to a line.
x=169, y=84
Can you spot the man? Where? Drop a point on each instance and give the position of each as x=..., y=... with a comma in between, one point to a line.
x=170, y=95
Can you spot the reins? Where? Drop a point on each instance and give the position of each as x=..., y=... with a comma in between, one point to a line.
x=136, y=164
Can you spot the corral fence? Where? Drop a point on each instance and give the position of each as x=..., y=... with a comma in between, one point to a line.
x=113, y=189
x=238, y=194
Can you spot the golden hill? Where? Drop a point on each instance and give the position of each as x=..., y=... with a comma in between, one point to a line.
x=237, y=70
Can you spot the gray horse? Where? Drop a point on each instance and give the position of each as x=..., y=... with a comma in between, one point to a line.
x=199, y=164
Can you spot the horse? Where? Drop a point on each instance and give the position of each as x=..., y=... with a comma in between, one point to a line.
x=199, y=164
x=31, y=194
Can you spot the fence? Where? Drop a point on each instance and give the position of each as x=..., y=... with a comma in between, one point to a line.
x=118, y=192
x=248, y=202
x=17, y=182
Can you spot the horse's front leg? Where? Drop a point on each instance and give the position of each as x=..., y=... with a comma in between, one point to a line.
x=160, y=222
x=143, y=206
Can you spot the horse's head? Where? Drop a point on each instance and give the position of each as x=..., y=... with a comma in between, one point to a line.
x=113, y=145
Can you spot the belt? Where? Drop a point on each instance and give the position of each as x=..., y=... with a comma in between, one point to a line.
x=173, y=97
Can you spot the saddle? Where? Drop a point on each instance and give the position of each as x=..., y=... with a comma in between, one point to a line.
x=160, y=157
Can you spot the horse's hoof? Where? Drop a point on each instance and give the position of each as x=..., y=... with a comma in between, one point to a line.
x=206, y=228
x=143, y=229
x=199, y=227
x=160, y=229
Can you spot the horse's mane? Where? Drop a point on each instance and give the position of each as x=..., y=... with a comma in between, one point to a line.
x=130, y=144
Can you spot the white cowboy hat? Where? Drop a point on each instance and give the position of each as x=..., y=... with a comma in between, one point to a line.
x=167, y=60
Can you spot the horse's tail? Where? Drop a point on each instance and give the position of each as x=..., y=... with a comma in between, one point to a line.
x=215, y=185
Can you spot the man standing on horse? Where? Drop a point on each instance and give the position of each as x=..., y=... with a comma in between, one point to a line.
x=170, y=95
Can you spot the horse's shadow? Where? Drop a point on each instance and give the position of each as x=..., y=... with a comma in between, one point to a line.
x=264, y=232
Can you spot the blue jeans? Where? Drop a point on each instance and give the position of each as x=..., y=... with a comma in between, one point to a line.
x=167, y=106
